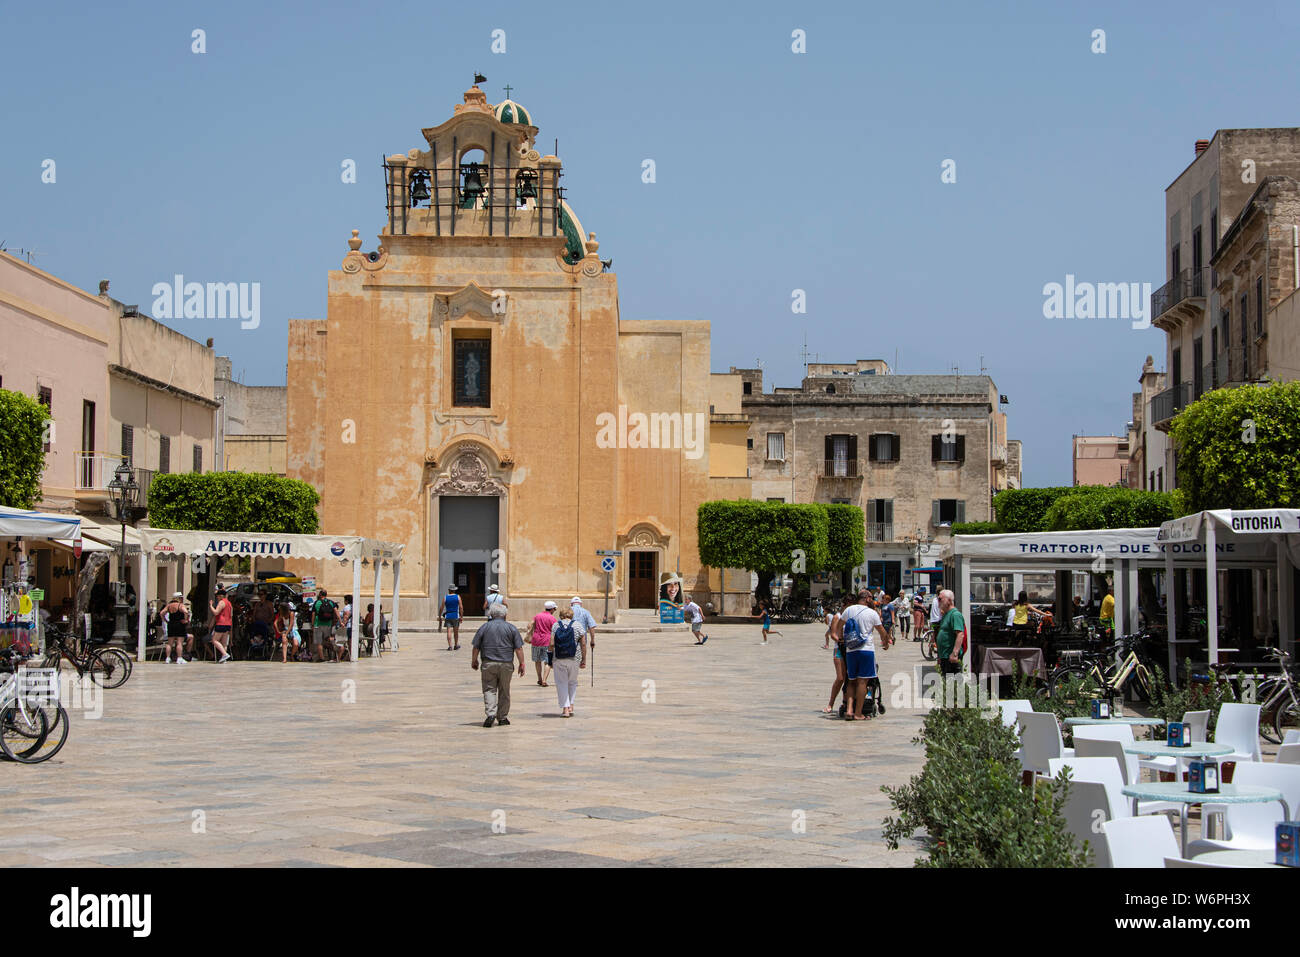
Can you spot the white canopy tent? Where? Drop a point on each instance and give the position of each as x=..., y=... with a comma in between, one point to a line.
x=1121, y=551
x=1276, y=528
x=168, y=544
x=20, y=523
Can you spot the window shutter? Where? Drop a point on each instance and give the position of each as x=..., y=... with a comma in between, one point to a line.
x=936, y=448
x=871, y=515
x=895, y=447
x=830, y=448
x=853, y=455
x=961, y=448
x=961, y=510
x=128, y=443
x=887, y=512
x=934, y=512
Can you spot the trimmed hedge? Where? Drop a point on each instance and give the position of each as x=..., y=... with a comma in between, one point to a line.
x=1110, y=508
x=233, y=502
x=1023, y=509
x=22, y=449
x=976, y=528
x=763, y=536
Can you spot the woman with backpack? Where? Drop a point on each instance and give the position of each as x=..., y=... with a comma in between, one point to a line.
x=568, y=644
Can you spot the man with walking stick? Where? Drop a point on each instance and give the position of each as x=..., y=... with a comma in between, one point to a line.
x=581, y=614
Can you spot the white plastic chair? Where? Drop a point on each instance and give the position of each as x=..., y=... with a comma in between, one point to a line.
x=1238, y=727
x=1095, y=740
x=1288, y=754
x=1010, y=707
x=1040, y=740
x=1251, y=827
x=1086, y=809
x=1140, y=841
x=1106, y=770
x=1291, y=737
x=1200, y=722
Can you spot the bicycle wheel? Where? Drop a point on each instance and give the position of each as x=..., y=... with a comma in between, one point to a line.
x=16, y=741
x=55, y=718
x=1074, y=683
x=929, y=649
x=1286, y=718
x=121, y=663
x=110, y=667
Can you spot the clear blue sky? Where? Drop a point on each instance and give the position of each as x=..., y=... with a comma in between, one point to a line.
x=775, y=171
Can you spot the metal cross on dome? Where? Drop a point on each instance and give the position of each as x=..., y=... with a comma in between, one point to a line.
x=508, y=88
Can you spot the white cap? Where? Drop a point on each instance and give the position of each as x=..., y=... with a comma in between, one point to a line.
x=177, y=594
x=576, y=600
x=492, y=588
x=549, y=606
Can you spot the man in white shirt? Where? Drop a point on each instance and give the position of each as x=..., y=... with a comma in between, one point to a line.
x=936, y=612
x=581, y=615
x=859, y=651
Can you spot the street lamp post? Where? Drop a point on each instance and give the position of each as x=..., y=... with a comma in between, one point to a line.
x=123, y=489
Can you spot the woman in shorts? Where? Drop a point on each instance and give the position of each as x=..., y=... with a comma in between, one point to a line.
x=221, y=625
x=838, y=658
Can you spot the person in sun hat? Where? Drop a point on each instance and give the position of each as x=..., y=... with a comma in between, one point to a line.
x=584, y=617
x=540, y=639
x=494, y=597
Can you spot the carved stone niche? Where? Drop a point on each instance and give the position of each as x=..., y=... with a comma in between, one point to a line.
x=470, y=300
x=468, y=475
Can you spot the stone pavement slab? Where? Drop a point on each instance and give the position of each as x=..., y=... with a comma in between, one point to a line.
x=681, y=755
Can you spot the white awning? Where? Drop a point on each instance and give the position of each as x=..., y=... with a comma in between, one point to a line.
x=110, y=535
x=1240, y=521
x=21, y=523
x=166, y=542
x=1144, y=545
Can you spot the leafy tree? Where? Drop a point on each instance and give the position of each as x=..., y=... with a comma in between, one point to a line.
x=1101, y=507
x=769, y=538
x=846, y=537
x=1240, y=448
x=234, y=502
x=22, y=449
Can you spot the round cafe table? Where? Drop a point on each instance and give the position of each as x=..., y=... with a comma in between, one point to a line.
x=1177, y=792
x=1135, y=721
x=1239, y=858
x=1197, y=749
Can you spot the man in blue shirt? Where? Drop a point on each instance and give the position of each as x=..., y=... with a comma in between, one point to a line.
x=449, y=612
x=581, y=614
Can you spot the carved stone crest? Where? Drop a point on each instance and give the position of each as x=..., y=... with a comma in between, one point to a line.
x=469, y=475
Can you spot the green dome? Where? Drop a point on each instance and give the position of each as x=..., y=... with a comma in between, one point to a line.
x=508, y=111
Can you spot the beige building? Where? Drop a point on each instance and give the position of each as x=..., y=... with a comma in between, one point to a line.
x=1146, y=444
x=1230, y=255
x=474, y=392
x=251, y=424
x=916, y=452
x=1100, y=460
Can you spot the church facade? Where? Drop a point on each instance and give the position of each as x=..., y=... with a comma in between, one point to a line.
x=474, y=393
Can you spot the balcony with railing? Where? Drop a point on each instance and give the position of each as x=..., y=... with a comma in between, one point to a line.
x=840, y=468
x=95, y=471
x=880, y=531
x=1165, y=405
x=1181, y=298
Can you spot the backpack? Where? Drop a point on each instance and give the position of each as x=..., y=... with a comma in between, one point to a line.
x=566, y=641
x=854, y=640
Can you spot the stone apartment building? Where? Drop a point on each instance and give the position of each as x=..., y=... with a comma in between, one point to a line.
x=1100, y=460
x=251, y=429
x=1228, y=309
x=1146, y=444
x=916, y=452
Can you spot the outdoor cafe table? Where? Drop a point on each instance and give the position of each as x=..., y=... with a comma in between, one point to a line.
x=1001, y=661
x=1153, y=722
x=1239, y=858
x=1177, y=792
x=1197, y=749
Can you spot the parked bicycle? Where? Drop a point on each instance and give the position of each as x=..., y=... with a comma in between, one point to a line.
x=1280, y=708
x=33, y=725
x=930, y=643
x=1102, y=674
x=108, y=667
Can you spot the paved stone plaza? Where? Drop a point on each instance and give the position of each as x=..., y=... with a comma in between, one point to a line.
x=286, y=773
